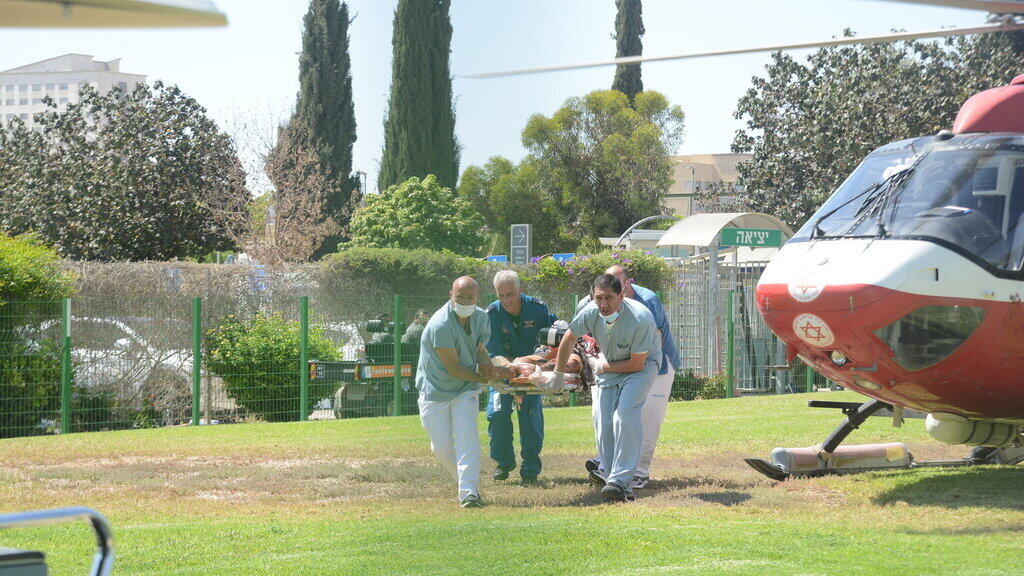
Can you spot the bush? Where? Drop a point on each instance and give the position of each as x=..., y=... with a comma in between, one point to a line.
x=31, y=286
x=577, y=274
x=30, y=376
x=398, y=271
x=689, y=386
x=30, y=271
x=258, y=358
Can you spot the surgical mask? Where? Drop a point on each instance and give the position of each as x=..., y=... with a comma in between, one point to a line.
x=609, y=319
x=463, y=310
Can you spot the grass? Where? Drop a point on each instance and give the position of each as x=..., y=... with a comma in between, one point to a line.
x=366, y=497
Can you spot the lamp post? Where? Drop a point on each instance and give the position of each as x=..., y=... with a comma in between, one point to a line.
x=362, y=186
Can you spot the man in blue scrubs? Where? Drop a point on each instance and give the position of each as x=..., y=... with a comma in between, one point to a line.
x=516, y=319
x=657, y=398
x=628, y=337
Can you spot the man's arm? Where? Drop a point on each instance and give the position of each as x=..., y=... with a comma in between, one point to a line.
x=634, y=364
x=564, y=350
x=450, y=359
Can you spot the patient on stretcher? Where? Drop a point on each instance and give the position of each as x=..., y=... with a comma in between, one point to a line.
x=536, y=369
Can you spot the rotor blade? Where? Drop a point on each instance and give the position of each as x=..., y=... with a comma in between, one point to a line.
x=896, y=36
x=994, y=6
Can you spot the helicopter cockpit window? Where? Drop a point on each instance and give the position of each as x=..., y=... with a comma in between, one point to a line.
x=970, y=198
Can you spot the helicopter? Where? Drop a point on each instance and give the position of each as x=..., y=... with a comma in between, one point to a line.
x=907, y=284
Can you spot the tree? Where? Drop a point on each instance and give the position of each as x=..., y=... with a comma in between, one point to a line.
x=809, y=124
x=324, y=120
x=606, y=159
x=419, y=214
x=136, y=176
x=506, y=193
x=419, y=129
x=629, y=31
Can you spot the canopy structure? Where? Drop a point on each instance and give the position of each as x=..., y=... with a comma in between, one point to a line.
x=702, y=230
x=109, y=14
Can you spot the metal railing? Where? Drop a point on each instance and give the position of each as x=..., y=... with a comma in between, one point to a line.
x=103, y=560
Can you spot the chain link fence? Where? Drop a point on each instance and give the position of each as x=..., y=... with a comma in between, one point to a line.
x=269, y=352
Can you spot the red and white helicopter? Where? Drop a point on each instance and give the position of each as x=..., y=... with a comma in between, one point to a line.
x=907, y=284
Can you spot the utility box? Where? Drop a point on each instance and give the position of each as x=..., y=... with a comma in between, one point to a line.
x=15, y=562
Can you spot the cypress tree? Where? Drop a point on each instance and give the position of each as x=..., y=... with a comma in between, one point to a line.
x=629, y=29
x=419, y=129
x=325, y=111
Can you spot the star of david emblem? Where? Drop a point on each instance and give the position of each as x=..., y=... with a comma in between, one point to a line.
x=813, y=330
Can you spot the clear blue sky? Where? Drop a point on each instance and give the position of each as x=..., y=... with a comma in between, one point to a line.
x=251, y=67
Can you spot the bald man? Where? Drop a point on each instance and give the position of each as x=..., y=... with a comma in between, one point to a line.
x=453, y=363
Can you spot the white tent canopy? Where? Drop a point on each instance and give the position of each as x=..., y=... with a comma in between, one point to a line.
x=108, y=13
x=702, y=230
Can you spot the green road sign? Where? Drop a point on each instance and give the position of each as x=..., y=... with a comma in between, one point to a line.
x=753, y=237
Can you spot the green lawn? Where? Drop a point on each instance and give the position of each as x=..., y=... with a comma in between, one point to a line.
x=366, y=497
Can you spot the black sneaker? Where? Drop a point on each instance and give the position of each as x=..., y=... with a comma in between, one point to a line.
x=640, y=482
x=629, y=495
x=598, y=477
x=529, y=480
x=500, y=473
x=613, y=493
x=472, y=501
x=592, y=465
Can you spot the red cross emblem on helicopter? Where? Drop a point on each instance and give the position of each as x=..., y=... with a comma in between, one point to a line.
x=813, y=330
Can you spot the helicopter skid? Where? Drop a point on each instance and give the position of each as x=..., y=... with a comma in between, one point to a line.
x=779, y=472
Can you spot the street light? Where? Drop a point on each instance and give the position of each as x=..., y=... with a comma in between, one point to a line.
x=639, y=222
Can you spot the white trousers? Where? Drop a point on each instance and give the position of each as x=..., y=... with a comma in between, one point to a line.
x=454, y=440
x=652, y=415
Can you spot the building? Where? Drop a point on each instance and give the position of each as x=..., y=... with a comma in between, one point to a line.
x=22, y=89
x=702, y=172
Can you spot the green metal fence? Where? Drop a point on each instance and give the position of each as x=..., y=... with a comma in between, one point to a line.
x=100, y=364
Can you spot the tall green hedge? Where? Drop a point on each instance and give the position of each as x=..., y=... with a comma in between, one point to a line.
x=418, y=272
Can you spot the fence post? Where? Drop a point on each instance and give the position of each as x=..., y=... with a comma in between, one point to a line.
x=730, y=340
x=575, y=301
x=809, y=379
x=65, y=372
x=304, y=358
x=197, y=356
x=396, y=335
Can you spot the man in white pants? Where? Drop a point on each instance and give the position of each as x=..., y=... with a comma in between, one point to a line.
x=453, y=363
x=657, y=399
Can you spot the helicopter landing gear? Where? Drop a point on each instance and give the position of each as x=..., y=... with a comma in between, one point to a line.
x=831, y=458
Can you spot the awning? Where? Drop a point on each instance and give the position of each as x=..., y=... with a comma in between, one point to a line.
x=109, y=14
x=701, y=230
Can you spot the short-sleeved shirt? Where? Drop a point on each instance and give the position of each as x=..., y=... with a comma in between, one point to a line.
x=669, y=350
x=443, y=330
x=514, y=336
x=633, y=332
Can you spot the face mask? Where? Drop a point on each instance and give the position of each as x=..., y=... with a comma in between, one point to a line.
x=611, y=317
x=463, y=310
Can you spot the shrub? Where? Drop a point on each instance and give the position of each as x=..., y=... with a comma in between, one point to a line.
x=577, y=274
x=689, y=386
x=31, y=286
x=394, y=270
x=258, y=358
x=30, y=377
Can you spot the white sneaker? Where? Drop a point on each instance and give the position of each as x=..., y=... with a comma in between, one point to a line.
x=640, y=482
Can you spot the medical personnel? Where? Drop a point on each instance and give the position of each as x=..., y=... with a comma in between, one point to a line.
x=516, y=319
x=453, y=363
x=657, y=399
x=628, y=337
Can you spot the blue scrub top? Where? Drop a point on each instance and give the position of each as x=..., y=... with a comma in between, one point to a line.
x=509, y=342
x=669, y=350
x=633, y=332
x=444, y=331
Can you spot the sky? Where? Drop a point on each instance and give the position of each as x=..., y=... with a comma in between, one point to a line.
x=247, y=73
